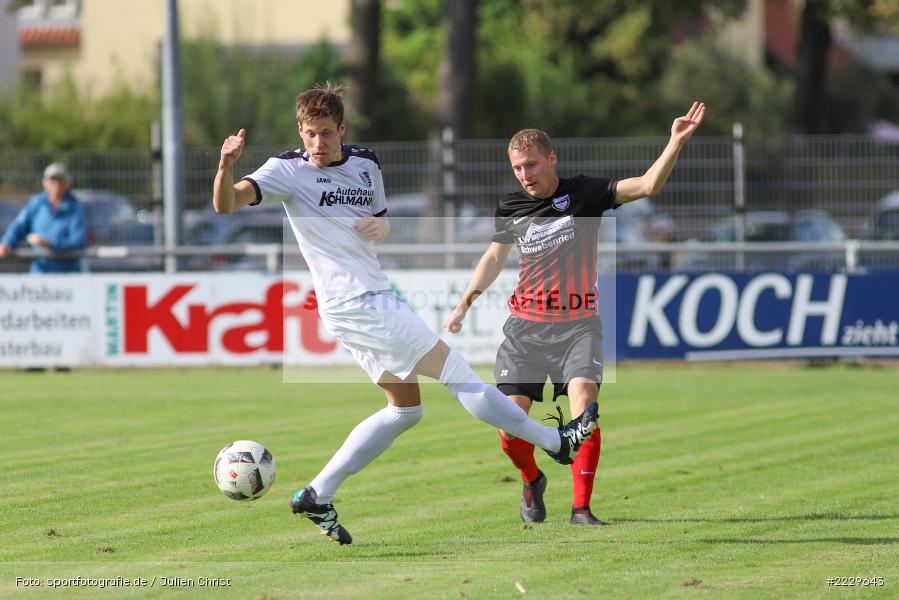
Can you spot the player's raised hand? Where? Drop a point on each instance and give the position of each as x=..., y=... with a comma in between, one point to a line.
x=233, y=146
x=683, y=127
x=453, y=323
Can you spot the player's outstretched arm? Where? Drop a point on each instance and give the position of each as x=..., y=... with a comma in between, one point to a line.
x=226, y=195
x=651, y=182
x=489, y=267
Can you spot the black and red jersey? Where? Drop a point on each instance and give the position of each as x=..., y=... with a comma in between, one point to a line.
x=556, y=239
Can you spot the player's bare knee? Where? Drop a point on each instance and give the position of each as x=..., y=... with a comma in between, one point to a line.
x=581, y=392
x=433, y=364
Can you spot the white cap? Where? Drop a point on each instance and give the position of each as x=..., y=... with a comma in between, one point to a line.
x=57, y=171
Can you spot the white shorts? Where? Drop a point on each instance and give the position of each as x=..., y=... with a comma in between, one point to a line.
x=381, y=332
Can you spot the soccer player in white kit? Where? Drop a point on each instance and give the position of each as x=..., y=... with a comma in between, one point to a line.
x=335, y=201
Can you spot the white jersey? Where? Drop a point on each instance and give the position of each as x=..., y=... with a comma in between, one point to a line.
x=323, y=204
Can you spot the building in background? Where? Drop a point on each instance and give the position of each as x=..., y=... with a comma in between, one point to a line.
x=768, y=32
x=9, y=48
x=782, y=30
x=743, y=37
x=103, y=42
x=49, y=33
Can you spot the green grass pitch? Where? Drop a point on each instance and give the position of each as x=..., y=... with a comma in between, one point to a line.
x=730, y=481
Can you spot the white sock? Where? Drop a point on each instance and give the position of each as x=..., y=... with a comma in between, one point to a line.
x=488, y=404
x=365, y=443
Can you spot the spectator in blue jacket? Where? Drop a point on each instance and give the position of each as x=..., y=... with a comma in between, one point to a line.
x=52, y=221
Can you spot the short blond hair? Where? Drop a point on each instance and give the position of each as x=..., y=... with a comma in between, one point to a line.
x=531, y=138
x=321, y=102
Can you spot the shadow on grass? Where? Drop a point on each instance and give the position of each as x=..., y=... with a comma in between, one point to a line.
x=379, y=553
x=808, y=517
x=838, y=540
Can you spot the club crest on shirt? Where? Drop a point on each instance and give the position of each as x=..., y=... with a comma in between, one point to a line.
x=562, y=202
x=365, y=177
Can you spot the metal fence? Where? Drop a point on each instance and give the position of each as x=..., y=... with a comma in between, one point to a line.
x=829, y=179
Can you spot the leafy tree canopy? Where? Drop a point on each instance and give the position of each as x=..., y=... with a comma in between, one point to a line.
x=573, y=67
x=65, y=118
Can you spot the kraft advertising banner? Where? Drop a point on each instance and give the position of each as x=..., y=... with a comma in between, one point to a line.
x=158, y=320
x=714, y=316
x=210, y=318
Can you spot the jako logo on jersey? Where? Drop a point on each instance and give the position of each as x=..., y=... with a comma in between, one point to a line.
x=365, y=177
x=562, y=202
x=323, y=180
x=354, y=197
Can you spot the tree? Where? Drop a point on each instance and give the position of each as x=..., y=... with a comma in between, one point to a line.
x=66, y=118
x=736, y=90
x=811, y=65
x=572, y=67
x=814, y=43
x=227, y=88
x=855, y=97
x=615, y=53
x=458, y=67
x=363, y=66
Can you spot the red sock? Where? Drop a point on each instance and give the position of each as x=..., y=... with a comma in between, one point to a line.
x=521, y=453
x=583, y=469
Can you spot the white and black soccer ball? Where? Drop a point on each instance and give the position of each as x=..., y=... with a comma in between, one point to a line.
x=244, y=470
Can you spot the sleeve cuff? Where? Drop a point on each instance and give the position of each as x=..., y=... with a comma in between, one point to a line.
x=255, y=187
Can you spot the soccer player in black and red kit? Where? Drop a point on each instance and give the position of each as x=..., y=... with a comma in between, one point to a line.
x=554, y=330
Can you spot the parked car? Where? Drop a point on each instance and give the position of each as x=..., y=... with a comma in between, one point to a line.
x=8, y=212
x=884, y=228
x=202, y=227
x=104, y=212
x=264, y=224
x=886, y=219
x=409, y=223
x=112, y=220
x=630, y=222
x=773, y=226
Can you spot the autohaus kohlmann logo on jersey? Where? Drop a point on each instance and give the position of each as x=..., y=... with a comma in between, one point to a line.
x=348, y=196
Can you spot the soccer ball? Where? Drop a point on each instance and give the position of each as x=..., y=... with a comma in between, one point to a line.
x=244, y=470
